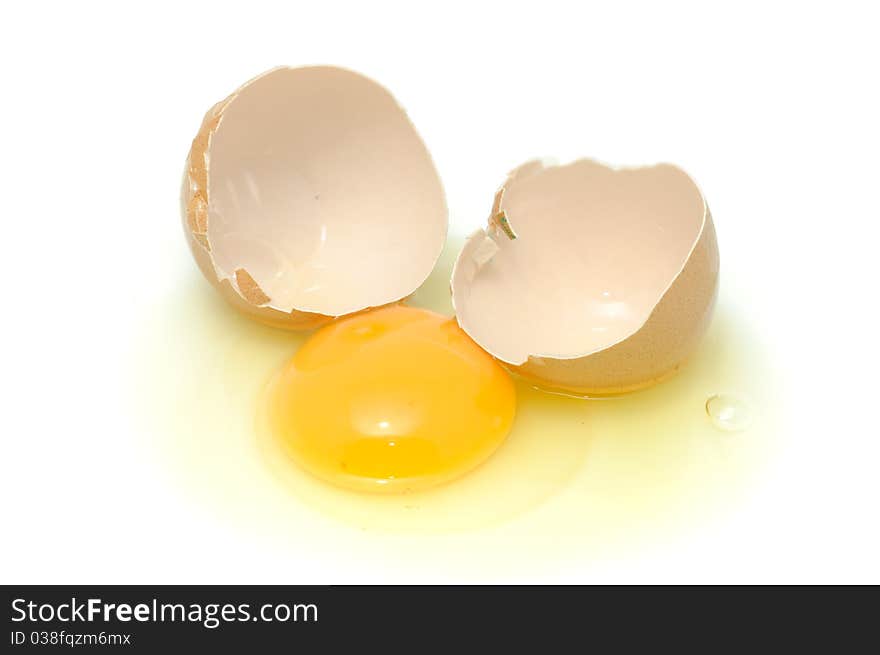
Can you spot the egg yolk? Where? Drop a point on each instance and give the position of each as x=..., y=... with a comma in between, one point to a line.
x=393, y=399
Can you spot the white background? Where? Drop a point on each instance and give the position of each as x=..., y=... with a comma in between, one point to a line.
x=773, y=107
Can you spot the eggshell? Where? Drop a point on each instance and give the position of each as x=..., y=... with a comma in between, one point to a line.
x=590, y=279
x=309, y=195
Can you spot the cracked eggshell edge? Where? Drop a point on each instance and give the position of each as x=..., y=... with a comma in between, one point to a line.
x=194, y=211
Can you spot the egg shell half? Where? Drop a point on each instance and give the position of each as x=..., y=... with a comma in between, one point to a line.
x=308, y=195
x=590, y=279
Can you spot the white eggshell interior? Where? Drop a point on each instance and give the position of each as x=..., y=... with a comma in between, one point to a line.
x=596, y=249
x=321, y=190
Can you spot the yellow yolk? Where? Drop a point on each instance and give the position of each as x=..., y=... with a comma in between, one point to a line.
x=394, y=399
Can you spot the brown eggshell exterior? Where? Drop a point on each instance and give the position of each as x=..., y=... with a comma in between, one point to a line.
x=194, y=199
x=658, y=349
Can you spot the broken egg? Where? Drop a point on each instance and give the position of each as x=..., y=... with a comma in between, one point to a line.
x=396, y=399
x=309, y=195
x=590, y=279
